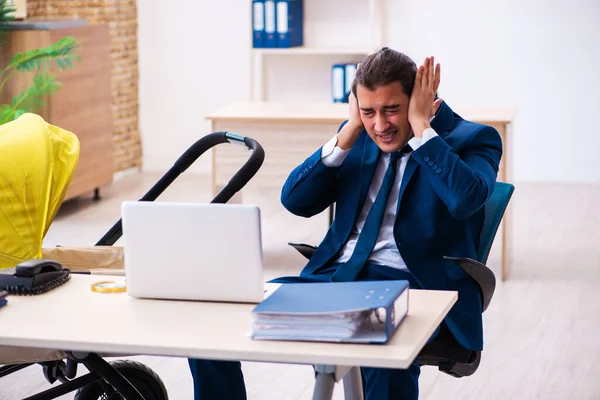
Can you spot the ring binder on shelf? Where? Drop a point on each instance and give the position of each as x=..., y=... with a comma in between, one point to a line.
x=290, y=23
x=337, y=83
x=342, y=76
x=270, y=22
x=258, y=24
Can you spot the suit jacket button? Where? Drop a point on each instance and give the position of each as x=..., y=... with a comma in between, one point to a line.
x=426, y=159
x=438, y=170
x=430, y=163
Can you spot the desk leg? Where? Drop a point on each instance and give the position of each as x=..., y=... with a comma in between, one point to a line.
x=505, y=131
x=505, y=176
x=324, y=386
x=506, y=242
x=214, y=164
x=505, y=226
x=214, y=173
x=503, y=259
x=353, y=388
x=328, y=375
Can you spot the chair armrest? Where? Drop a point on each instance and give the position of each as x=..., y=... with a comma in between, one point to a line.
x=484, y=277
x=306, y=250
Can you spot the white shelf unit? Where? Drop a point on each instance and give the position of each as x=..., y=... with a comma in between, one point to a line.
x=259, y=57
x=311, y=51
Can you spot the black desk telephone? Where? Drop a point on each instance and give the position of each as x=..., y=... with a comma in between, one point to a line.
x=35, y=277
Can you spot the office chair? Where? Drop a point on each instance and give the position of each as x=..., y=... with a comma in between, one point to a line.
x=444, y=351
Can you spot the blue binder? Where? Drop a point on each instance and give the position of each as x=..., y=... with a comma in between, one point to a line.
x=338, y=83
x=342, y=76
x=349, y=73
x=270, y=24
x=258, y=24
x=353, y=312
x=290, y=21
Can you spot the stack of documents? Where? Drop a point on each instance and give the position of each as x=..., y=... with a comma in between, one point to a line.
x=365, y=312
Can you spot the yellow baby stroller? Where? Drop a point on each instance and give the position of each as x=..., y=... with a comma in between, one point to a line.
x=37, y=163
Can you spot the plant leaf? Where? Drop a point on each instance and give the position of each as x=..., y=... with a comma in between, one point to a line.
x=5, y=111
x=31, y=99
x=6, y=15
x=6, y=12
x=19, y=112
x=60, y=52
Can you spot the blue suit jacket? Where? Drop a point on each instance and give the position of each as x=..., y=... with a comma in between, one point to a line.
x=440, y=208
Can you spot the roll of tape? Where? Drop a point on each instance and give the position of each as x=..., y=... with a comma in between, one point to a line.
x=109, y=287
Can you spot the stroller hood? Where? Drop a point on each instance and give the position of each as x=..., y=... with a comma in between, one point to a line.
x=37, y=162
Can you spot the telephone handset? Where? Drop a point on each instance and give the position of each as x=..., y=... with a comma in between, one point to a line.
x=35, y=277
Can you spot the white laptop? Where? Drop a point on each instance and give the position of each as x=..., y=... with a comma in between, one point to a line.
x=191, y=251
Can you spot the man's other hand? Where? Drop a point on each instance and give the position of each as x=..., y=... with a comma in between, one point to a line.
x=351, y=131
x=423, y=105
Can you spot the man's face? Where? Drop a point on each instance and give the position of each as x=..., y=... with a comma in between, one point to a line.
x=384, y=114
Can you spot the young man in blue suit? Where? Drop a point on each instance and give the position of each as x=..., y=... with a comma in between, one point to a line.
x=409, y=178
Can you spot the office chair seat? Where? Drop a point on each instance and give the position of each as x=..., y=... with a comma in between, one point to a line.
x=449, y=356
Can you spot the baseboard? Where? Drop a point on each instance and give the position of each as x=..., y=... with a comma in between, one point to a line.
x=126, y=172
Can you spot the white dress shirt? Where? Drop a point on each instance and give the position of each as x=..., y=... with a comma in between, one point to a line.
x=385, y=251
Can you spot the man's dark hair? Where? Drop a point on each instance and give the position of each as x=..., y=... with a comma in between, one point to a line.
x=384, y=67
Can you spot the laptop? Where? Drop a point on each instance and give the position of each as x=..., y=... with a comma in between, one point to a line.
x=191, y=251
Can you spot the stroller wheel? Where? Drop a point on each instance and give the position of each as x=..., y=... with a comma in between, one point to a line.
x=142, y=377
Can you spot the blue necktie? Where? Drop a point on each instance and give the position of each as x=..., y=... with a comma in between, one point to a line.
x=368, y=235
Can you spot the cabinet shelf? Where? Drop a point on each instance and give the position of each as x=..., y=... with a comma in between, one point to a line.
x=308, y=51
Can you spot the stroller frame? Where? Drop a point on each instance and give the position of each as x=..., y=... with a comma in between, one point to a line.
x=100, y=370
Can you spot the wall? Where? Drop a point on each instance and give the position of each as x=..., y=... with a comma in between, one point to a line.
x=537, y=56
x=193, y=59
x=540, y=56
x=121, y=16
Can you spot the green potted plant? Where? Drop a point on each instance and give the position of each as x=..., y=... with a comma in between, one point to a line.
x=31, y=99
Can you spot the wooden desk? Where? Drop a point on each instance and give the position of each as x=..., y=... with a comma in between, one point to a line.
x=290, y=132
x=119, y=324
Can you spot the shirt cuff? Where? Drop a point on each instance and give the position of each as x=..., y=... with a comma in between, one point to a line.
x=417, y=142
x=331, y=155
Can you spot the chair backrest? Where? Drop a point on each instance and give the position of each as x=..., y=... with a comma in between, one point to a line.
x=494, y=211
